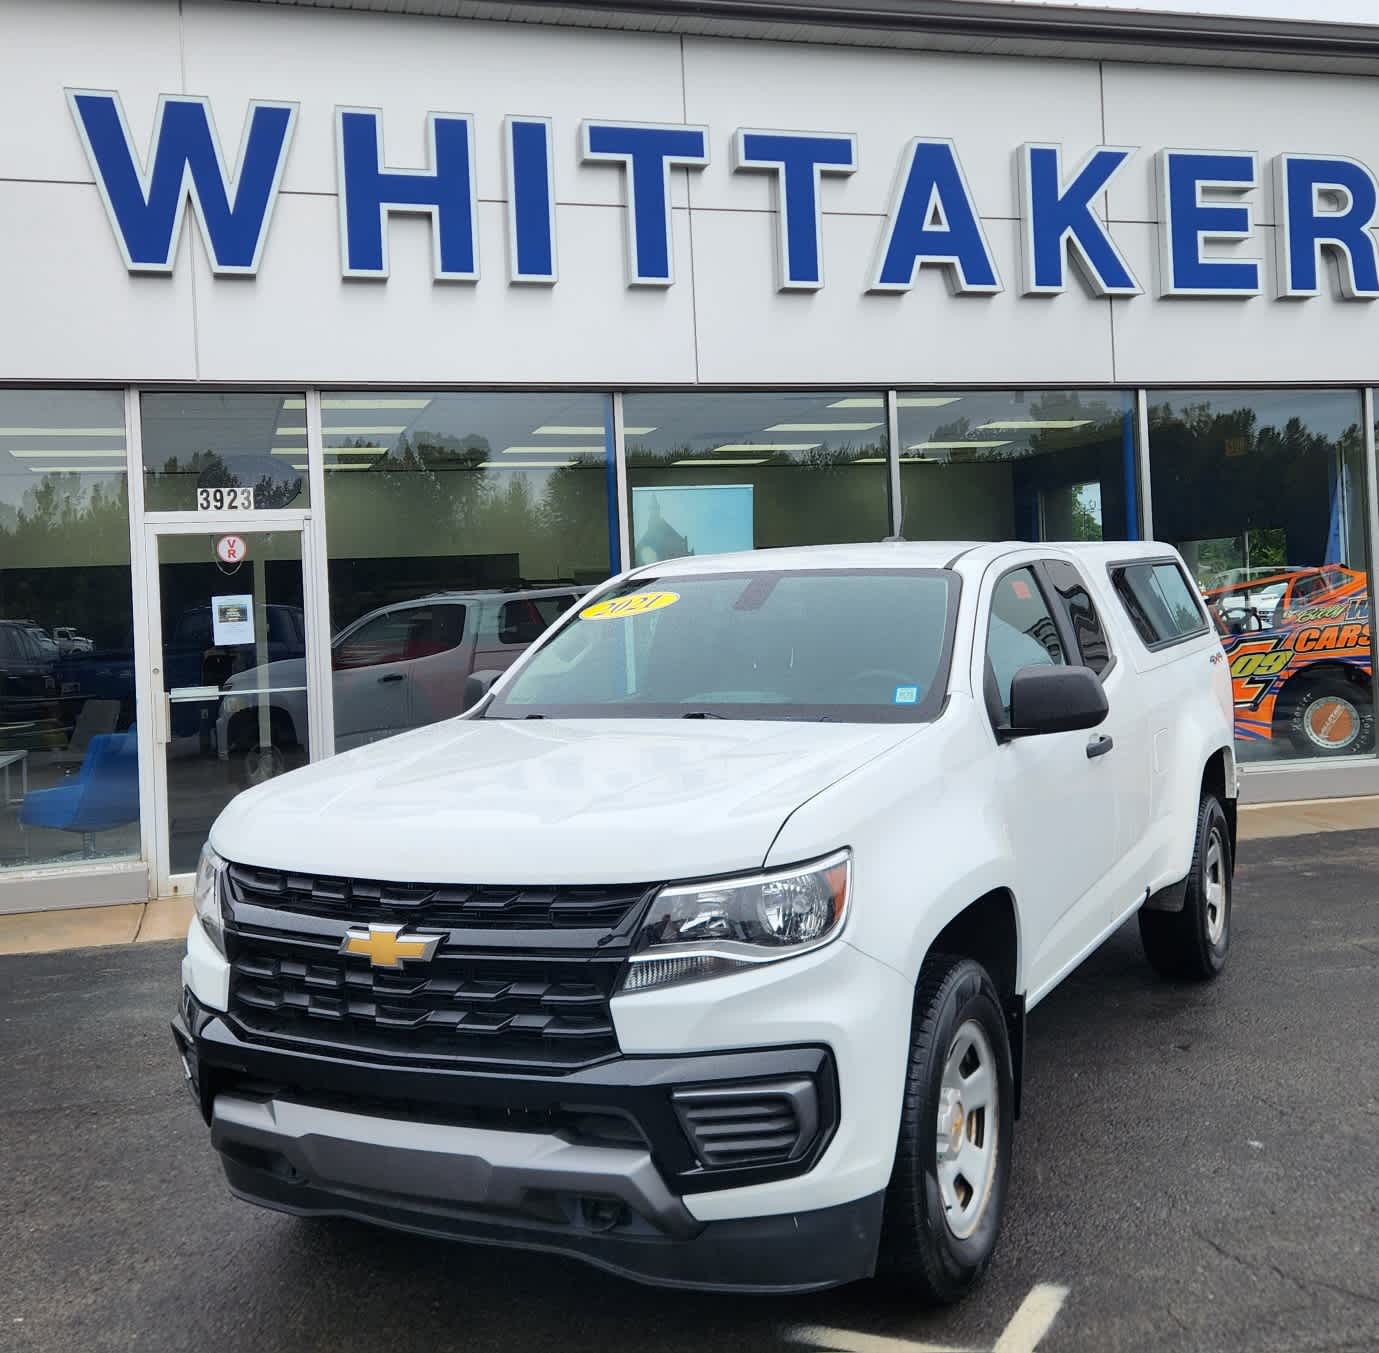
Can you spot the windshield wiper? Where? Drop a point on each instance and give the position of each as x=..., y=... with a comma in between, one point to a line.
x=703, y=714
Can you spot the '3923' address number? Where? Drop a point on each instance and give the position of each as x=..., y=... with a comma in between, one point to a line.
x=225, y=500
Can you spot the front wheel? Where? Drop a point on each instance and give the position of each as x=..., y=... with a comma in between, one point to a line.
x=1192, y=943
x=952, y=1164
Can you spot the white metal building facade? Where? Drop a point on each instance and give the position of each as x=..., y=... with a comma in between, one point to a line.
x=795, y=272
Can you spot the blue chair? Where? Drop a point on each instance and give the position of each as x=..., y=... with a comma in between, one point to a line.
x=104, y=794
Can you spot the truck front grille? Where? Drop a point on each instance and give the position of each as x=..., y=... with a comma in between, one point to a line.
x=437, y=904
x=500, y=997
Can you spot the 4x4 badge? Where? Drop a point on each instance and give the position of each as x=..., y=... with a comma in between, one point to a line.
x=385, y=946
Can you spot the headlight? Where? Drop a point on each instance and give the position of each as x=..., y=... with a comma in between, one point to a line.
x=696, y=930
x=206, y=896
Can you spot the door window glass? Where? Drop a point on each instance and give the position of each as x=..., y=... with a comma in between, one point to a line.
x=435, y=629
x=233, y=674
x=383, y=639
x=1022, y=632
x=526, y=620
x=1081, y=611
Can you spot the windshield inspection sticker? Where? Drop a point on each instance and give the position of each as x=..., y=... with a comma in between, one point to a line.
x=907, y=695
x=620, y=608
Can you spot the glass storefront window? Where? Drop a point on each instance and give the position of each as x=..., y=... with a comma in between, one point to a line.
x=710, y=473
x=1018, y=465
x=69, y=771
x=459, y=527
x=1263, y=492
x=253, y=442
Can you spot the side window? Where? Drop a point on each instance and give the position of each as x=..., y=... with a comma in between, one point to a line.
x=434, y=629
x=1081, y=612
x=382, y=639
x=1022, y=633
x=1159, y=601
x=524, y=620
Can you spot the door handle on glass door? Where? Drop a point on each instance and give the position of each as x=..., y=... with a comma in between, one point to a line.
x=392, y=676
x=1099, y=746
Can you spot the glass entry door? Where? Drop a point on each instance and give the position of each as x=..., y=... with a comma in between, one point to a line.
x=230, y=631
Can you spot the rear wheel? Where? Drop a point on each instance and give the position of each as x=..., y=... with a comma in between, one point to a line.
x=1192, y=943
x=1332, y=717
x=952, y=1165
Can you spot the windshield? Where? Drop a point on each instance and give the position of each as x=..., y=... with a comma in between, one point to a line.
x=853, y=645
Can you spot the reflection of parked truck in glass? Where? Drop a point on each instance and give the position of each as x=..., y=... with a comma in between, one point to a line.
x=1301, y=659
x=398, y=667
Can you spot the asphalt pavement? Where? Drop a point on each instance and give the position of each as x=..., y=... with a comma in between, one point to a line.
x=1196, y=1168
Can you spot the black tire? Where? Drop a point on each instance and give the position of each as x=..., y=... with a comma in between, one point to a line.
x=920, y=1253
x=1332, y=717
x=1192, y=944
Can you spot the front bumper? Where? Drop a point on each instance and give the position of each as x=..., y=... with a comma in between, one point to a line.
x=598, y=1164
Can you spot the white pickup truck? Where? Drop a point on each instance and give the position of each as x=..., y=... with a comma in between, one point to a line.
x=702, y=947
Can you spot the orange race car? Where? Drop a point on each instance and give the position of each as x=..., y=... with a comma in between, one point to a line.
x=1298, y=641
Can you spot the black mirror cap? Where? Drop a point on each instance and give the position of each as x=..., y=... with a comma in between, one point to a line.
x=1055, y=700
x=478, y=686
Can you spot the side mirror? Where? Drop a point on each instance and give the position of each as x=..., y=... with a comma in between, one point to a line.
x=1054, y=700
x=478, y=686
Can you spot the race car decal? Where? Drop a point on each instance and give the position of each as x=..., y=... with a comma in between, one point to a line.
x=1284, y=644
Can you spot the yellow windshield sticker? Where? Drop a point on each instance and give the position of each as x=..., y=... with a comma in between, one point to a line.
x=620, y=608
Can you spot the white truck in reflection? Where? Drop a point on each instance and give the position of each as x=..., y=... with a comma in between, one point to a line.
x=398, y=667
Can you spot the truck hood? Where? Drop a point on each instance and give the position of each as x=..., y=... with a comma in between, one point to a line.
x=489, y=801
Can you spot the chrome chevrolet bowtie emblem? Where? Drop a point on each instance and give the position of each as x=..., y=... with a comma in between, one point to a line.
x=385, y=946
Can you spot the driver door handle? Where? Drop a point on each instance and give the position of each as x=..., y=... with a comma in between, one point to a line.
x=392, y=676
x=1099, y=746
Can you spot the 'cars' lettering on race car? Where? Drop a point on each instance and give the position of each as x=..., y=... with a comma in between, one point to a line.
x=1320, y=638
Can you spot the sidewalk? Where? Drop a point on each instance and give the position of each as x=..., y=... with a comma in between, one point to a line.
x=167, y=919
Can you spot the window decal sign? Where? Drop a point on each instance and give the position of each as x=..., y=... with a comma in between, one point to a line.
x=620, y=608
x=231, y=549
x=232, y=619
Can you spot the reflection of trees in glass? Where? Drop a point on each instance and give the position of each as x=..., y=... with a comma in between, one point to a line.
x=836, y=456
x=1098, y=423
x=1247, y=490
x=1086, y=515
x=165, y=487
x=65, y=518
x=65, y=553
x=432, y=494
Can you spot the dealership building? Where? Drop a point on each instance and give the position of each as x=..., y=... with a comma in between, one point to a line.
x=344, y=344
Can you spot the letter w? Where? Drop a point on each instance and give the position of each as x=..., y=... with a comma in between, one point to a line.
x=146, y=203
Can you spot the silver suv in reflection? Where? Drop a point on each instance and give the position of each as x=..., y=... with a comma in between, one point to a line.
x=395, y=668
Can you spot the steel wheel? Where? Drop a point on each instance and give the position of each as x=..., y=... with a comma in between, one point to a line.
x=968, y=1129
x=1214, y=888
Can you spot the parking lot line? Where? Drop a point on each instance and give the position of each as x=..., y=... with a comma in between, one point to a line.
x=1033, y=1320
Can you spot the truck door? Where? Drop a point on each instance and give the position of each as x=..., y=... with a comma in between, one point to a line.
x=1056, y=793
x=370, y=678
x=1127, y=725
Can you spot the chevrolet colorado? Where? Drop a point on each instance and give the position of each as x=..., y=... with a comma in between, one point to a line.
x=702, y=946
